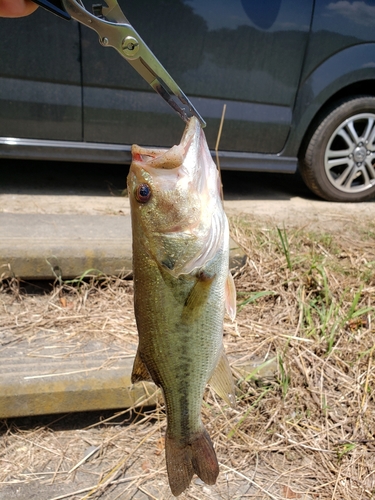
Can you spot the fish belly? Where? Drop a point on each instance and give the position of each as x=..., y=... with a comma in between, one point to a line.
x=180, y=344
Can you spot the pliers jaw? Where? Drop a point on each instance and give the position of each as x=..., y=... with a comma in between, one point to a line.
x=54, y=6
x=115, y=31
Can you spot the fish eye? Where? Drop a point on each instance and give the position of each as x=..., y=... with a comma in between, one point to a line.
x=143, y=193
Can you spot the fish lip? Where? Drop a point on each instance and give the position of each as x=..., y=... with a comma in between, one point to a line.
x=167, y=159
x=192, y=130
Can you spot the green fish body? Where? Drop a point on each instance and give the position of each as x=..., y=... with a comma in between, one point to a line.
x=182, y=287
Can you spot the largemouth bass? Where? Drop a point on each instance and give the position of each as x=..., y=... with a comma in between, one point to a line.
x=182, y=286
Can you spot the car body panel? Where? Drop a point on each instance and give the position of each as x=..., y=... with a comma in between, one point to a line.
x=340, y=53
x=38, y=149
x=275, y=64
x=40, y=78
x=336, y=26
x=207, y=47
x=350, y=66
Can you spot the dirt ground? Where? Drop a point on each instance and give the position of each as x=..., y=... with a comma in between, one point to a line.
x=278, y=198
x=305, y=430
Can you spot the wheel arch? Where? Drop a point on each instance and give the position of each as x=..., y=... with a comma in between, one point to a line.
x=338, y=162
x=348, y=73
x=357, y=89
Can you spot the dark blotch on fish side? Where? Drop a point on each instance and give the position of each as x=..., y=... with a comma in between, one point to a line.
x=168, y=263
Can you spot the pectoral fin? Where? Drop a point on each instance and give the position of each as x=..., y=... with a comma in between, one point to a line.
x=140, y=371
x=222, y=381
x=197, y=298
x=230, y=297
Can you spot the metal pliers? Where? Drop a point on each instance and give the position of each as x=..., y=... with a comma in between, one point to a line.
x=115, y=31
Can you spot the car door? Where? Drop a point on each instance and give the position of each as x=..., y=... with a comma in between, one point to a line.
x=245, y=53
x=40, y=78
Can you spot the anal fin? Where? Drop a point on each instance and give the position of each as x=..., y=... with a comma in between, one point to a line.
x=140, y=372
x=222, y=381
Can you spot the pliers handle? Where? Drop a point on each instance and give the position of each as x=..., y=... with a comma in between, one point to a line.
x=115, y=31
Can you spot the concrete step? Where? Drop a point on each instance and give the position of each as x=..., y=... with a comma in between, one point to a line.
x=42, y=375
x=46, y=246
x=35, y=246
x=37, y=377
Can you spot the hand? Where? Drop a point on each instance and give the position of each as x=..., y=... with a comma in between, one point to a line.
x=16, y=8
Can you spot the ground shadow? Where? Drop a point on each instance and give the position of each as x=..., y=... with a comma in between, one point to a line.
x=78, y=420
x=95, y=179
x=264, y=186
x=62, y=178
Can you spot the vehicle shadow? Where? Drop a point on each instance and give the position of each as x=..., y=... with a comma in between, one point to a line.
x=264, y=186
x=34, y=177
x=95, y=179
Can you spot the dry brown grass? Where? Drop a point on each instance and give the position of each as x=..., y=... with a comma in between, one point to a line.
x=306, y=431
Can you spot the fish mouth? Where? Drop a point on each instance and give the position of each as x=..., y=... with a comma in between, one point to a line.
x=168, y=159
x=188, y=165
x=156, y=158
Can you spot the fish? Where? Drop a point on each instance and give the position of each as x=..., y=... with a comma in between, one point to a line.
x=182, y=289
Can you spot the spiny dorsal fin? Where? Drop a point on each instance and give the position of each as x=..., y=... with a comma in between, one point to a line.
x=222, y=381
x=140, y=371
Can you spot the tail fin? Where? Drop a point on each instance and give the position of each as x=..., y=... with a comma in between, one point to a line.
x=183, y=460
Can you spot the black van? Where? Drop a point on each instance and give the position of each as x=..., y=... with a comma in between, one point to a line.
x=298, y=79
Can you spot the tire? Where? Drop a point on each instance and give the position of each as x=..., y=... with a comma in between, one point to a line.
x=339, y=161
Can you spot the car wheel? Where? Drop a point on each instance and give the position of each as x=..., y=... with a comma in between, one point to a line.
x=339, y=161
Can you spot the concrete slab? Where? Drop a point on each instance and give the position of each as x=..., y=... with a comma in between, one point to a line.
x=38, y=377
x=49, y=246
x=46, y=246
x=43, y=375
